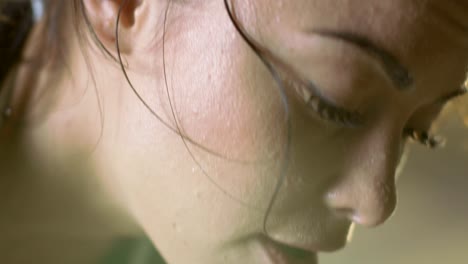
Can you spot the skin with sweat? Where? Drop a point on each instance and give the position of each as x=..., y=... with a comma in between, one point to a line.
x=203, y=199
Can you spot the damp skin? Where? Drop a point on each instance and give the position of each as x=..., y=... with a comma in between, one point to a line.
x=203, y=199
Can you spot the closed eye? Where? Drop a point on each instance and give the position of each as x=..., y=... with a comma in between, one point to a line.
x=324, y=107
x=424, y=138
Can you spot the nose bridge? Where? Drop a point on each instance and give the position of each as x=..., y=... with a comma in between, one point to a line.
x=365, y=191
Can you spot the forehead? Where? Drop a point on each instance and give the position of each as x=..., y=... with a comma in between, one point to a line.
x=403, y=20
x=365, y=13
x=430, y=37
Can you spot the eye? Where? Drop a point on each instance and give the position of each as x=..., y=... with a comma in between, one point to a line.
x=324, y=108
x=329, y=112
x=424, y=138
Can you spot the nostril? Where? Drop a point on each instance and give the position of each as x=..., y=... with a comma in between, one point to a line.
x=344, y=213
x=339, y=204
x=375, y=212
x=366, y=205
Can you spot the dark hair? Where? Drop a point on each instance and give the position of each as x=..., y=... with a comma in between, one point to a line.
x=16, y=21
x=17, y=18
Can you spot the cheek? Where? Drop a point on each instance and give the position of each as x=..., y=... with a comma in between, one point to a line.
x=238, y=116
x=229, y=102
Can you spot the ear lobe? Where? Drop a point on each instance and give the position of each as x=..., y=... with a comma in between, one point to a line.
x=103, y=16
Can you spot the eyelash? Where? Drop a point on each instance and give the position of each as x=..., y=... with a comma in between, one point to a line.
x=328, y=112
x=424, y=138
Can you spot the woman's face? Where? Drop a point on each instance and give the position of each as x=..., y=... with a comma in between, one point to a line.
x=204, y=199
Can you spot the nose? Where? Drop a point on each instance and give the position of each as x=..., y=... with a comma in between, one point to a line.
x=365, y=192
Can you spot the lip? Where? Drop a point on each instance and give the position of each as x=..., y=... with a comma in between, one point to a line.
x=279, y=253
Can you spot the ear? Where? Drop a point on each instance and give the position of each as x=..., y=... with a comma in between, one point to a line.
x=103, y=15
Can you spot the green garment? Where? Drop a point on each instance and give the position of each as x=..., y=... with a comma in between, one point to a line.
x=132, y=251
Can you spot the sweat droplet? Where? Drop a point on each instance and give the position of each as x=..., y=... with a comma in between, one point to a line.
x=175, y=227
x=195, y=110
x=278, y=19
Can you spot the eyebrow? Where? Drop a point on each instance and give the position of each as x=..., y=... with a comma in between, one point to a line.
x=400, y=75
